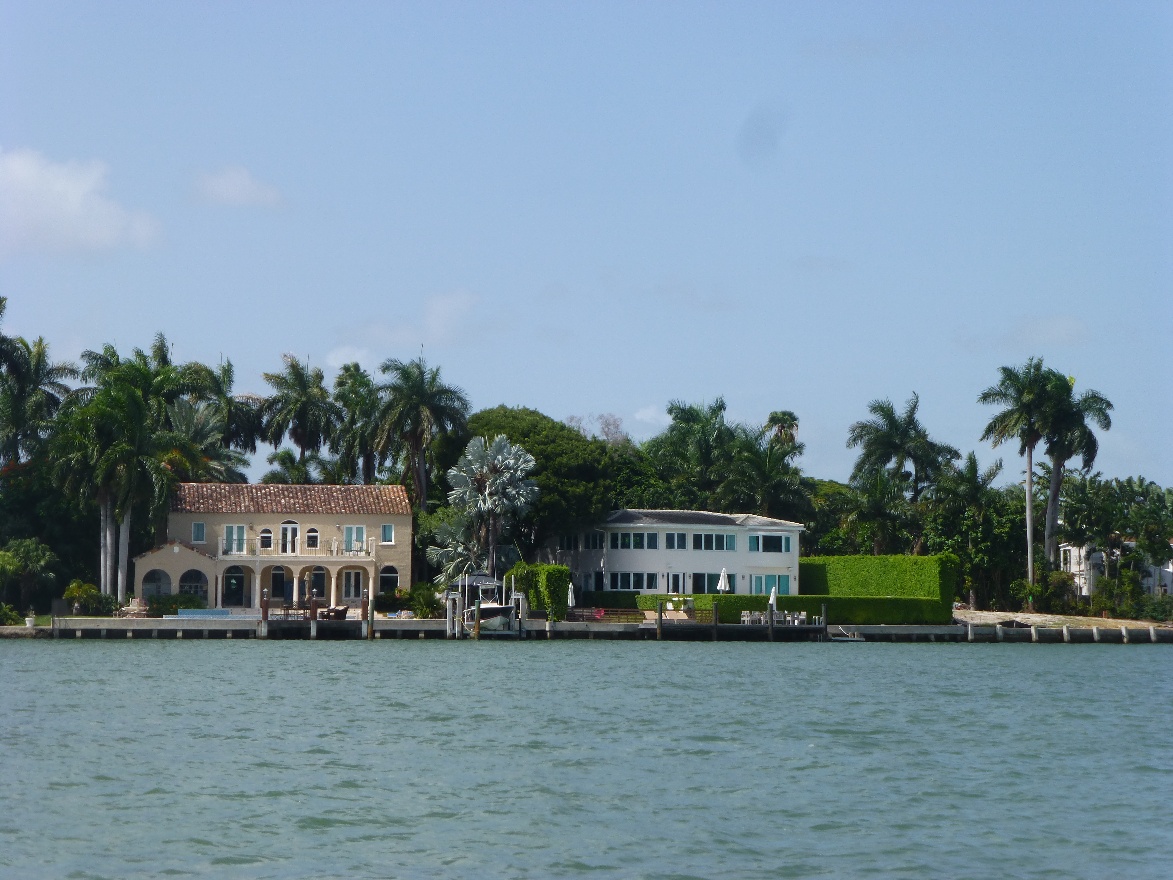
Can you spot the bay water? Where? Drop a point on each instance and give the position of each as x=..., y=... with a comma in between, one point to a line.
x=611, y=759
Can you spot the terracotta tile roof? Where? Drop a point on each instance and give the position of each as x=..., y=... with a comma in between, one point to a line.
x=274, y=498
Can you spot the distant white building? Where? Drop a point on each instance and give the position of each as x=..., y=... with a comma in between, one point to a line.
x=683, y=551
x=1087, y=567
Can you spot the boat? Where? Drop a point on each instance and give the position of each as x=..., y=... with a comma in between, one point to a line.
x=495, y=615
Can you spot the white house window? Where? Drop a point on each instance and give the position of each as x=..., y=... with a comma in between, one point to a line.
x=388, y=579
x=593, y=540
x=714, y=542
x=755, y=542
x=388, y=536
x=311, y=539
x=653, y=541
x=637, y=541
x=266, y=539
x=625, y=540
x=197, y=533
x=614, y=540
x=772, y=543
x=676, y=541
x=650, y=583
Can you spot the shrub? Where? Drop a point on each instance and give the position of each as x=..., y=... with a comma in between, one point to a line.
x=9, y=616
x=89, y=600
x=545, y=587
x=158, y=606
x=424, y=602
x=609, y=599
x=1156, y=608
x=906, y=577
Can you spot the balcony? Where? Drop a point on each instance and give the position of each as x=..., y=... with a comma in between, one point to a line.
x=335, y=548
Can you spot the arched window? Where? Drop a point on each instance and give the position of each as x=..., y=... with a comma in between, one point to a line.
x=234, y=586
x=311, y=539
x=194, y=582
x=266, y=539
x=156, y=583
x=388, y=579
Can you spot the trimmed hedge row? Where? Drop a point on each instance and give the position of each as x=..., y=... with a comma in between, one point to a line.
x=158, y=606
x=858, y=610
x=904, y=577
x=545, y=586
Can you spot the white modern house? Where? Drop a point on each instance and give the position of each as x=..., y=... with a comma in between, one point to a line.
x=683, y=551
x=1087, y=565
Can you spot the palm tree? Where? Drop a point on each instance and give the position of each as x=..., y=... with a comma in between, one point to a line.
x=8, y=352
x=784, y=424
x=877, y=506
x=356, y=438
x=491, y=484
x=240, y=413
x=898, y=441
x=288, y=469
x=31, y=393
x=204, y=458
x=763, y=478
x=694, y=453
x=1068, y=434
x=31, y=563
x=1025, y=395
x=417, y=408
x=300, y=406
x=967, y=493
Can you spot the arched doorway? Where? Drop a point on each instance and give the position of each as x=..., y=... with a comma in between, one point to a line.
x=318, y=582
x=280, y=585
x=234, y=587
x=156, y=582
x=194, y=582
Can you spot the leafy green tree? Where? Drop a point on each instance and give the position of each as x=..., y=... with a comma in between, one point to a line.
x=695, y=452
x=300, y=406
x=899, y=444
x=570, y=470
x=288, y=469
x=418, y=407
x=879, y=510
x=240, y=414
x=962, y=502
x=762, y=476
x=491, y=485
x=31, y=565
x=203, y=457
x=1024, y=393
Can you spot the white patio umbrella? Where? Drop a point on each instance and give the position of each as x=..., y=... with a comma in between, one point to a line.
x=773, y=599
x=570, y=596
x=723, y=582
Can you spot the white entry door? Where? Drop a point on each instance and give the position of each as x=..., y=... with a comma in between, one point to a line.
x=289, y=538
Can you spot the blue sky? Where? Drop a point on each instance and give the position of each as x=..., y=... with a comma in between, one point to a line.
x=599, y=208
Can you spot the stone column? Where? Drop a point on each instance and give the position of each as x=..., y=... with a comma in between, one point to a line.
x=256, y=585
x=333, y=587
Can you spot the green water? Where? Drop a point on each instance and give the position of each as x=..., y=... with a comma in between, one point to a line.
x=627, y=759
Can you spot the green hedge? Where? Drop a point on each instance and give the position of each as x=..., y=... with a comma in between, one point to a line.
x=609, y=599
x=545, y=587
x=903, y=577
x=840, y=609
x=158, y=606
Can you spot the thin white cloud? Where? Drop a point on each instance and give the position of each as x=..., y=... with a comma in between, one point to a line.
x=1028, y=334
x=440, y=320
x=235, y=185
x=62, y=207
x=348, y=354
x=653, y=415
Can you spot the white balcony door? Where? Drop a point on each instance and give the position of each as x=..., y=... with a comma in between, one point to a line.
x=234, y=539
x=289, y=538
x=354, y=539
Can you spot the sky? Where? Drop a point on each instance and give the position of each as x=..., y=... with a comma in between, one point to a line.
x=604, y=207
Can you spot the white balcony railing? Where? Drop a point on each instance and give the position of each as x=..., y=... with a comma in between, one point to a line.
x=336, y=547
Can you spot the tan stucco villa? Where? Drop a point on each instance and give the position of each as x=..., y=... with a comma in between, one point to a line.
x=228, y=541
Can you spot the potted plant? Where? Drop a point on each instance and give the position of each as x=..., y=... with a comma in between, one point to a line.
x=30, y=618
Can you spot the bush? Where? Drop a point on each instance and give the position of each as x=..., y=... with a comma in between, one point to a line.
x=859, y=610
x=89, y=600
x=1156, y=608
x=609, y=599
x=423, y=601
x=9, y=616
x=903, y=577
x=545, y=587
x=1120, y=596
x=158, y=606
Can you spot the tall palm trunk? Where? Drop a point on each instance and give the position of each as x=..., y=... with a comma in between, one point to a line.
x=368, y=467
x=1051, y=528
x=123, y=554
x=103, y=566
x=111, y=542
x=1030, y=517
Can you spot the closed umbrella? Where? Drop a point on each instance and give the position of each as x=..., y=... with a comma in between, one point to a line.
x=570, y=596
x=773, y=599
x=723, y=582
